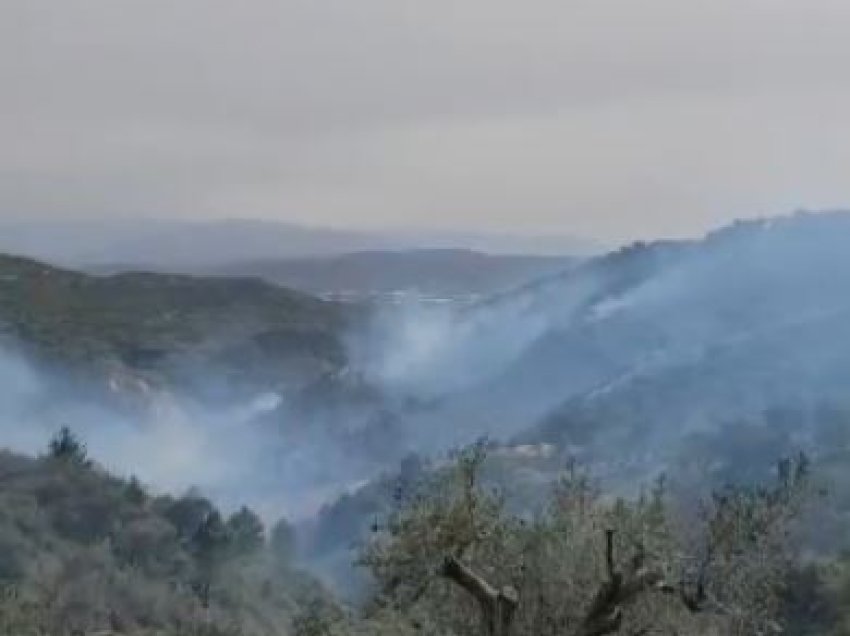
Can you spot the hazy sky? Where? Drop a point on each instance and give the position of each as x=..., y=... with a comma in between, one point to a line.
x=609, y=118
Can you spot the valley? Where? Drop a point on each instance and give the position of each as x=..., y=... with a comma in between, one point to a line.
x=647, y=347
x=705, y=359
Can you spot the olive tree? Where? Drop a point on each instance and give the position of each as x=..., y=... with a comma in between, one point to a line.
x=453, y=559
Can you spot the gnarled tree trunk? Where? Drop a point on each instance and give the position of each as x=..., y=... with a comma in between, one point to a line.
x=497, y=606
x=603, y=616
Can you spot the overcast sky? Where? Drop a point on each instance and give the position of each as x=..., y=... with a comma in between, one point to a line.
x=615, y=119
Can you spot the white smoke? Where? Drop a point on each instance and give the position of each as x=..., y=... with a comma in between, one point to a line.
x=173, y=444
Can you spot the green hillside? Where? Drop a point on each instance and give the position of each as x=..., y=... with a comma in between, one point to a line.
x=160, y=325
x=84, y=552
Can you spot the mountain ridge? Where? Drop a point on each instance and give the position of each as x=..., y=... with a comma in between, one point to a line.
x=176, y=245
x=145, y=322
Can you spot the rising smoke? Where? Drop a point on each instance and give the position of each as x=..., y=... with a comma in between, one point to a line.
x=654, y=342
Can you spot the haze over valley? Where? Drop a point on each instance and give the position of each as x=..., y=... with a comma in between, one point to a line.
x=707, y=359
x=622, y=360
x=387, y=318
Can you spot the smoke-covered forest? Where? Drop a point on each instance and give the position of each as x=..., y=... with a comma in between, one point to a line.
x=85, y=552
x=424, y=318
x=649, y=441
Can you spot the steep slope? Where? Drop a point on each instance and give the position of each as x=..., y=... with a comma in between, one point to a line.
x=753, y=319
x=664, y=338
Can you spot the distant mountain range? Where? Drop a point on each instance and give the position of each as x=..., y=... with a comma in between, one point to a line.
x=448, y=274
x=170, y=245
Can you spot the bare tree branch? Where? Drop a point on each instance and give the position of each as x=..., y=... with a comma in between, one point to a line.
x=461, y=574
x=605, y=614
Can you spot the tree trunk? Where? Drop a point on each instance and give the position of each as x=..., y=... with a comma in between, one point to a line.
x=497, y=606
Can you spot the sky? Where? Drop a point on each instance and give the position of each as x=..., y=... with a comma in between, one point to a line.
x=608, y=119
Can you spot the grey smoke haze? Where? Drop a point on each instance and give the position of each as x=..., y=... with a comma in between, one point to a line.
x=660, y=342
x=682, y=336
x=175, y=444
x=610, y=119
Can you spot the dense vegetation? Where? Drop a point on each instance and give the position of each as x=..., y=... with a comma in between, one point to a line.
x=83, y=552
x=702, y=361
x=161, y=327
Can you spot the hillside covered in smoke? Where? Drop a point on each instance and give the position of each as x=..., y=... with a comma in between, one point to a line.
x=623, y=362
x=641, y=348
x=707, y=360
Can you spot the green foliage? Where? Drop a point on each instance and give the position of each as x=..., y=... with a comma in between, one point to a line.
x=187, y=514
x=211, y=541
x=67, y=447
x=247, y=534
x=135, y=326
x=317, y=619
x=81, y=550
x=731, y=559
x=84, y=552
x=135, y=492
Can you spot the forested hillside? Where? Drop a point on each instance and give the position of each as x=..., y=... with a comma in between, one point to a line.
x=161, y=327
x=636, y=407
x=85, y=552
